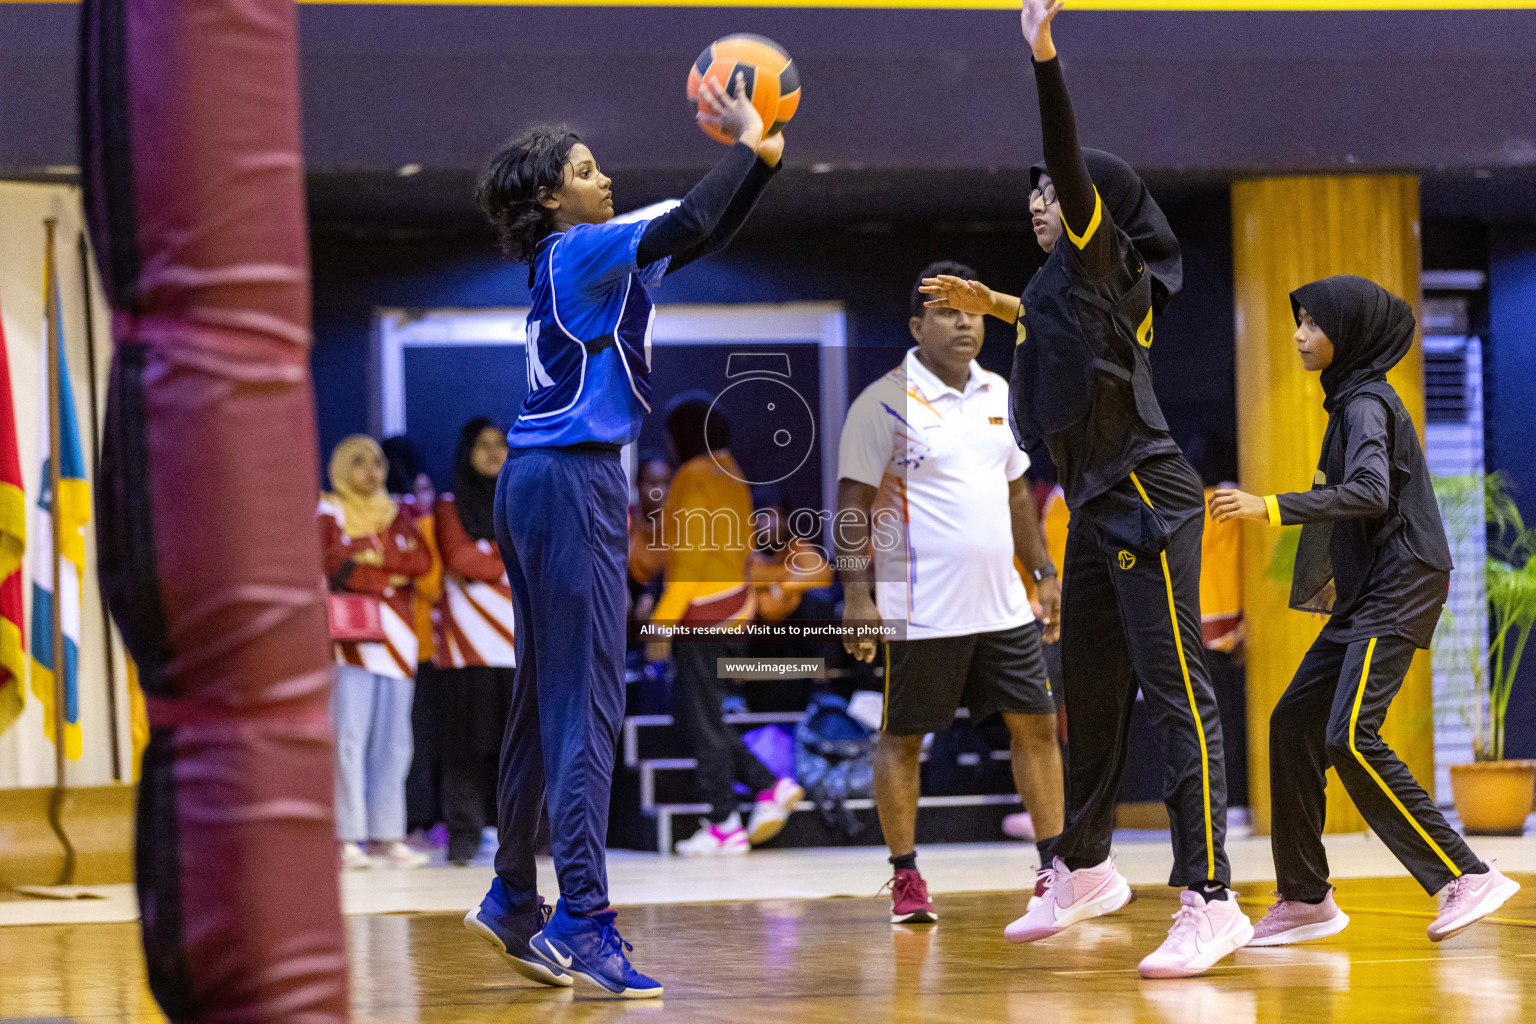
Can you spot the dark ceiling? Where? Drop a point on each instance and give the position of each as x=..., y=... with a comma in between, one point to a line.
x=908, y=114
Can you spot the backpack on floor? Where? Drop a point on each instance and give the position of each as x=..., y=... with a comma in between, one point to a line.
x=834, y=760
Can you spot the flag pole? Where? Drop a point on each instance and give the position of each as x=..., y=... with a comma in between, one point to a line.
x=106, y=619
x=60, y=665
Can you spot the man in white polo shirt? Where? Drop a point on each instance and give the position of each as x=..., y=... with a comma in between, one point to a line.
x=929, y=473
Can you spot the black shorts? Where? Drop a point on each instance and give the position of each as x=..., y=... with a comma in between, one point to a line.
x=926, y=681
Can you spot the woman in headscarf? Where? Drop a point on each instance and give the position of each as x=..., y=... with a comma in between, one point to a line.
x=1130, y=612
x=375, y=554
x=475, y=656
x=1373, y=555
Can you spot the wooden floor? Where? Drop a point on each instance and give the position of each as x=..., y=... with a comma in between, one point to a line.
x=785, y=962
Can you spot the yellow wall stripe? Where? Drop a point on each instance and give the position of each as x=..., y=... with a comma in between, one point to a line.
x=1354, y=718
x=1194, y=707
x=949, y=5
x=1093, y=223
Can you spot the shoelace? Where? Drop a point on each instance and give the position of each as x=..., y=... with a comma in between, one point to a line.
x=1280, y=903
x=1458, y=888
x=1185, y=920
x=545, y=913
x=1046, y=876
x=900, y=886
x=611, y=940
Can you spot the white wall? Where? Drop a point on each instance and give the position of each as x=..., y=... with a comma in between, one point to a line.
x=26, y=757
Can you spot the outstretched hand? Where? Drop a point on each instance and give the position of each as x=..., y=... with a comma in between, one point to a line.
x=953, y=292
x=1036, y=20
x=733, y=115
x=1231, y=503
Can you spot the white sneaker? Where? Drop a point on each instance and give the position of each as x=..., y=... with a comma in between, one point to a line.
x=398, y=855
x=353, y=858
x=727, y=839
x=1202, y=933
x=1073, y=896
x=772, y=809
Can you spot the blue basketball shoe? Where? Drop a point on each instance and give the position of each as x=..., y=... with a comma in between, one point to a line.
x=592, y=949
x=510, y=933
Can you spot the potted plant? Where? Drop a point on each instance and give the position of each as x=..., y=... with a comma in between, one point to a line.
x=1494, y=795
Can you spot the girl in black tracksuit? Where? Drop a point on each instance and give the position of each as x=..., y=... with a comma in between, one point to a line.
x=1373, y=556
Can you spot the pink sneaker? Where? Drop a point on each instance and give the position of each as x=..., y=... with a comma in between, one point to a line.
x=1202, y=933
x=1469, y=899
x=1288, y=922
x=909, y=899
x=1072, y=896
x=771, y=810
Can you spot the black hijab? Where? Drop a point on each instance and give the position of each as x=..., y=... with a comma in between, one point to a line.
x=1136, y=213
x=474, y=494
x=695, y=426
x=404, y=464
x=1371, y=330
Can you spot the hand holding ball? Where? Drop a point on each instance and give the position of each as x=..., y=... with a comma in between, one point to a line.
x=744, y=66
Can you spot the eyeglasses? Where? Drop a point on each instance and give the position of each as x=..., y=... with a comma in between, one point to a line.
x=1047, y=195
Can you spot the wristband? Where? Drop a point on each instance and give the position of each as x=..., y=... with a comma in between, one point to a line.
x=1043, y=574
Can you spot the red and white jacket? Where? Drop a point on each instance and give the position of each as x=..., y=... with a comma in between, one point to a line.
x=474, y=616
x=384, y=565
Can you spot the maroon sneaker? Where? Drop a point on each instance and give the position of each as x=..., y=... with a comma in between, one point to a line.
x=909, y=899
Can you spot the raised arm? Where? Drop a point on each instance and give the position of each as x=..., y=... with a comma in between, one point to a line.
x=703, y=208
x=1082, y=212
x=737, y=210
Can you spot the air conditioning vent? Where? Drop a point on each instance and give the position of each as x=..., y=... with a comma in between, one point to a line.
x=1445, y=383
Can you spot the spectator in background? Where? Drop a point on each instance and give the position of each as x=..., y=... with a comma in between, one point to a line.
x=412, y=489
x=707, y=522
x=475, y=657
x=782, y=567
x=374, y=550
x=647, y=554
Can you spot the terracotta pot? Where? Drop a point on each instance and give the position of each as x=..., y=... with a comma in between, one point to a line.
x=1494, y=797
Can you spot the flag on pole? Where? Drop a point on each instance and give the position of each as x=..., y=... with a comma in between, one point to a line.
x=74, y=514
x=13, y=542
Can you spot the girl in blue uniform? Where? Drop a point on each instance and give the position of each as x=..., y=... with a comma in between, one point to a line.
x=560, y=512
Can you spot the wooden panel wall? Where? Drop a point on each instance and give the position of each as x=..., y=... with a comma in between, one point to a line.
x=1287, y=232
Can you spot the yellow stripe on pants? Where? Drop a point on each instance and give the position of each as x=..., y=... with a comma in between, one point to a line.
x=1354, y=718
x=1194, y=707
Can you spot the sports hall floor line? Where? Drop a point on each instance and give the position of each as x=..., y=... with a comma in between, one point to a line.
x=642, y=879
x=818, y=961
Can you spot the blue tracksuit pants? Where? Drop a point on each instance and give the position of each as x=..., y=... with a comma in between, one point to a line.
x=561, y=524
